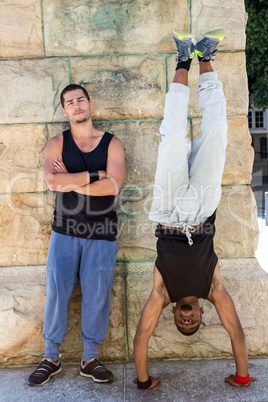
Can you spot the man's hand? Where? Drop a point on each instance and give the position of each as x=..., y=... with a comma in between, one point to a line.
x=155, y=381
x=231, y=380
x=59, y=166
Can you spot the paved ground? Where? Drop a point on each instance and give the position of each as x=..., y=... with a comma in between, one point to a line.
x=182, y=381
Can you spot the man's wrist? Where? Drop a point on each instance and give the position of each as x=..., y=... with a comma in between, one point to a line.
x=145, y=384
x=93, y=176
x=242, y=380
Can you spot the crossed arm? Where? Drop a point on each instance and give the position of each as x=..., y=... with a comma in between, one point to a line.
x=58, y=179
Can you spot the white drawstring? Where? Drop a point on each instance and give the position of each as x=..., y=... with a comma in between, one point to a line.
x=187, y=229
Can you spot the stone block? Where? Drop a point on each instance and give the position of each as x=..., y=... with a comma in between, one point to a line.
x=136, y=239
x=123, y=87
x=22, y=295
x=20, y=29
x=237, y=229
x=239, y=152
x=22, y=158
x=30, y=90
x=231, y=16
x=25, y=227
x=244, y=280
x=141, y=149
x=102, y=27
x=234, y=85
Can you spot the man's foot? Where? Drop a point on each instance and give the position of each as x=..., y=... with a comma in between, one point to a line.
x=96, y=371
x=185, y=44
x=44, y=371
x=206, y=44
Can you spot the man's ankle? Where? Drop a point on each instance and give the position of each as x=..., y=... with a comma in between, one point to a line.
x=50, y=358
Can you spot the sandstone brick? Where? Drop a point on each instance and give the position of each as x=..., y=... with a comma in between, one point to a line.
x=239, y=152
x=25, y=227
x=22, y=295
x=20, y=29
x=126, y=27
x=30, y=90
x=234, y=84
x=141, y=149
x=22, y=157
x=236, y=223
x=136, y=238
x=123, y=87
x=228, y=15
x=244, y=280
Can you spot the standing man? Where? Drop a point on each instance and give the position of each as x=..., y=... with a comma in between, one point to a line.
x=86, y=167
x=186, y=195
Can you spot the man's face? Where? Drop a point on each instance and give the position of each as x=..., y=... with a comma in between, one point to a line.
x=187, y=317
x=77, y=107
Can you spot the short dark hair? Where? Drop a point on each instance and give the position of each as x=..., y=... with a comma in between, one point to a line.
x=72, y=87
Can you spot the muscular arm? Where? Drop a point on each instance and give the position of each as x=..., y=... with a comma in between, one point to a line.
x=226, y=310
x=63, y=182
x=148, y=321
x=115, y=173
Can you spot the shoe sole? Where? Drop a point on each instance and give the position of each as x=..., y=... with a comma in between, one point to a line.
x=44, y=382
x=181, y=35
x=110, y=379
x=177, y=33
x=216, y=34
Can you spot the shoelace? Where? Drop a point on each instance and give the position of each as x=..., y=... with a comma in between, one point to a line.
x=184, y=50
x=187, y=230
x=209, y=49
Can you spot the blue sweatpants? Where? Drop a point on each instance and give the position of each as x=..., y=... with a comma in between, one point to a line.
x=71, y=259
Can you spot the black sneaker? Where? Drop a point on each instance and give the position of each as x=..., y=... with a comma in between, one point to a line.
x=43, y=372
x=96, y=371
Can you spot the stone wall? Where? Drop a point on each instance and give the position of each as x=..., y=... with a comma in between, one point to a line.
x=124, y=54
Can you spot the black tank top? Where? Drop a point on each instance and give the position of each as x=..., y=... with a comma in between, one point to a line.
x=81, y=215
x=187, y=270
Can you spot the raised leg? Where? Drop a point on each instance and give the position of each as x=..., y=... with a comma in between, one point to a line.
x=172, y=176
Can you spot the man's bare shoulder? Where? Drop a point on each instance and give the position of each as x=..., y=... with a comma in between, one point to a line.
x=55, y=141
x=116, y=142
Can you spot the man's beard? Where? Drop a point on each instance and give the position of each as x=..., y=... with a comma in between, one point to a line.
x=82, y=121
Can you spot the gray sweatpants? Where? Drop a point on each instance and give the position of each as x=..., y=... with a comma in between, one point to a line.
x=188, y=190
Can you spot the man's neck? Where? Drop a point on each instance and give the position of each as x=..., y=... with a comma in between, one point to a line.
x=81, y=130
x=188, y=300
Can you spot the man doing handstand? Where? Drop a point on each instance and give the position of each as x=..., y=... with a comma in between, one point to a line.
x=187, y=192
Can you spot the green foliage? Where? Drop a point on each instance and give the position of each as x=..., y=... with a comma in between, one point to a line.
x=257, y=52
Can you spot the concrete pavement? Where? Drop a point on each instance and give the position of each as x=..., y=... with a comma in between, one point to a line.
x=182, y=381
